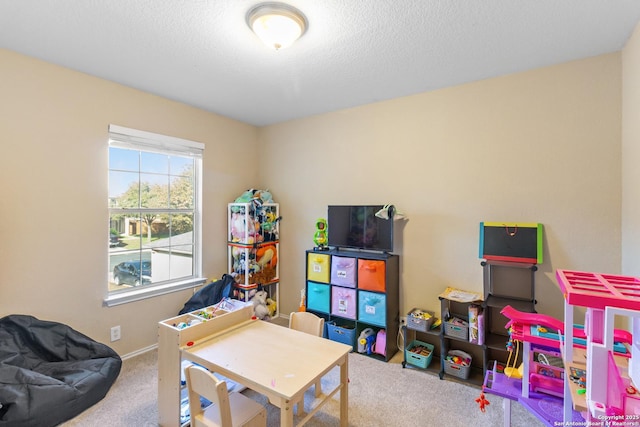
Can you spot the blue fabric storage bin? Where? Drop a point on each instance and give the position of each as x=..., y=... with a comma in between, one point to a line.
x=342, y=334
x=318, y=297
x=372, y=308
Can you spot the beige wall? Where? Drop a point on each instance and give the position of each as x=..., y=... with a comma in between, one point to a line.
x=631, y=155
x=53, y=175
x=538, y=146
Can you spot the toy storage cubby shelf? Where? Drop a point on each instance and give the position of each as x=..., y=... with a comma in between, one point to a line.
x=353, y=291
x=253, y=248
x=505, y=283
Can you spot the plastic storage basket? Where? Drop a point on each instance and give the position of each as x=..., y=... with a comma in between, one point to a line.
x=419, y=323
x=457, y=330
x=455, y=369
x=418, y=358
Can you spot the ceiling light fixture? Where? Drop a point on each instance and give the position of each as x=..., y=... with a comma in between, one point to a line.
x=278, y=25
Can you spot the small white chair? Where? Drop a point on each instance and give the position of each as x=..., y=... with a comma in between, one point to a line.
x=227, y=410
x=311, y=324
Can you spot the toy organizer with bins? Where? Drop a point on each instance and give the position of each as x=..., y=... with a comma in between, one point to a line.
x=253, y=248
x=485, y=338
x=455, y=341
x=179, y=332
x=357, y=293
x=454, y=351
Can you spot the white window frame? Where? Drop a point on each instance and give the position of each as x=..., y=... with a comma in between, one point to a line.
x=123, y=137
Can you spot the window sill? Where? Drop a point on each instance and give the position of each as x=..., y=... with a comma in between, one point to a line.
x=140, y=293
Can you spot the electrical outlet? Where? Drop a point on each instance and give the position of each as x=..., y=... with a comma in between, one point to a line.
x=403, y=320
x=115, y=333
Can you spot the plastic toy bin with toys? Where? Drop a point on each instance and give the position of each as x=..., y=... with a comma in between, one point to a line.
x=420, y=320
x=419, y=354
x=457, y=328
x=458, y=364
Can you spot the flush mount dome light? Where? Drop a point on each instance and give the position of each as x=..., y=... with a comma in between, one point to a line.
x=278, y=25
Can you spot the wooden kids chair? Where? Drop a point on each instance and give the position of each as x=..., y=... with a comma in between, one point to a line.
x=227, y=410
x=311, y=324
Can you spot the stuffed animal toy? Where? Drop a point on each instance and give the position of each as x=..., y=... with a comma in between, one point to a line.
x=265, y=196
x=245, y=197
x=272, y=305
x=245, y=229
x=256, y=197
x=260, y=308
x=237, y=226
x=267, y=255
x=268, y=224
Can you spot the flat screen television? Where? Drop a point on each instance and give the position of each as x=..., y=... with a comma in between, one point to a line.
x=358, y=227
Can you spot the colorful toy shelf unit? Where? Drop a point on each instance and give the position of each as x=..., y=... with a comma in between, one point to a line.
x=510, y=241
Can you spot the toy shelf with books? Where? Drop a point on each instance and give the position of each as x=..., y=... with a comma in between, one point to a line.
x=253, y=247
x=357, y=293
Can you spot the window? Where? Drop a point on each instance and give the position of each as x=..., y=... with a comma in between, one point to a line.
x=154, y=214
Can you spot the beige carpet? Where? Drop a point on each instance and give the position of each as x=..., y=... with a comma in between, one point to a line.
x=380, y=394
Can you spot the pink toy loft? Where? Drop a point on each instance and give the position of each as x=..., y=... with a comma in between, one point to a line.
x=526, y=328
x=611, y=389
x=612, y=378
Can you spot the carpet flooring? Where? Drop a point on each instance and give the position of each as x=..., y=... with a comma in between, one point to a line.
x=380, y=394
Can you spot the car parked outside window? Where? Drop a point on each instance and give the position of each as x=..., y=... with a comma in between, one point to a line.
x=133, y=273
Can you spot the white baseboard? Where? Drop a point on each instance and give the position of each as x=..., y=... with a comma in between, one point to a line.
x=139, y=352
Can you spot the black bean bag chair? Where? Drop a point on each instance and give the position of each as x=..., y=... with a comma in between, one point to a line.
x=49, y=372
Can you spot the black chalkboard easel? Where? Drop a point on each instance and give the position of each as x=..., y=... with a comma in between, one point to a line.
x=511, y=242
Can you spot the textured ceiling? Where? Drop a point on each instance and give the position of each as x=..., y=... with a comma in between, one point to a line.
x=355, y=51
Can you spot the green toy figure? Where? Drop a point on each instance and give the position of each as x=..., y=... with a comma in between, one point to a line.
x=320, y=237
